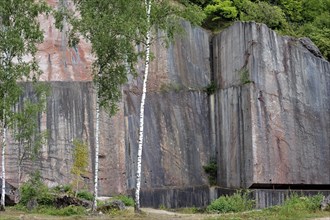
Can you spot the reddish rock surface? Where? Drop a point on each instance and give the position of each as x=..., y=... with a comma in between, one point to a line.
x=57, y=60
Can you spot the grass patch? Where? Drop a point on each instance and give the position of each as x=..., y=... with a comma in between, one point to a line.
x=50, y=210
x=67, y=211
x=238, y=202
x=190, y=210
x=293, y=208
x=35, y=189
x=127, y=200
x=85, y=195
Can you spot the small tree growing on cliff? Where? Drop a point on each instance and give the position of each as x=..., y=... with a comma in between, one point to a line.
x=19, y=34
x=26, y=130
x=111, y=27
x=115, y=28
x=80, y=162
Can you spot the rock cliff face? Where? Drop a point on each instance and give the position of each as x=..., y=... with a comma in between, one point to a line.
x=267, y=123
x=273, y=107
x=177, y=140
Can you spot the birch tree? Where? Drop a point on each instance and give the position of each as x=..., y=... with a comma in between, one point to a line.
x=167, y=17
x=115, y=28
x=19, y=35
x=80, y=162
x=97, y=147
x=26, y=130
x=110, y=28
x=144, y=91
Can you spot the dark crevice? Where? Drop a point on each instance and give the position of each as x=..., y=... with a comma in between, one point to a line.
x=291, y=186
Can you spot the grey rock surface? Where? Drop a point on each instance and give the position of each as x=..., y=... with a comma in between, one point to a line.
x=274, y=128
x=267, y=123
x=177, y=119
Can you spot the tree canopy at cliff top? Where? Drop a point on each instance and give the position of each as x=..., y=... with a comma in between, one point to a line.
x=299, y=18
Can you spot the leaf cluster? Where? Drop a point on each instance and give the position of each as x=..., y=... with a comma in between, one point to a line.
x=299, y=18
x=80, y=161
x=117, y=31
x=80, y=158
x=238, y=202
x=26, y=128
x=19, y=35
x=127, y=200
x=34, y=188
x=212, y=170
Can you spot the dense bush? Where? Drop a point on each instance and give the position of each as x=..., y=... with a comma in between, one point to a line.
x=298, y=18
x=85, y=195
x=63, y=189
x=37, y=190
x=238, y=202
x=128, y=201
x=297, y=203
x=212, y=171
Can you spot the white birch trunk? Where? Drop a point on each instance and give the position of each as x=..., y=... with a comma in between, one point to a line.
x=146, y=71
x=3, y=189
x=97, y=147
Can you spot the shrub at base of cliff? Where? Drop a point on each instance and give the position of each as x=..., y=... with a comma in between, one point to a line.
x=238, y=202
x=34, y=193
x=85, y=195
x=111, y=207
x=296, y=204
x=128, y=201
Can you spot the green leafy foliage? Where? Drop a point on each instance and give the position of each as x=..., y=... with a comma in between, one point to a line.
x=63, y=189
x=34, y=188
x=301, y=203
x=26, y=127
x=127, y=200
x=66, y=211
x=299, y=18
x=80, y=162
x=19, y=35
x=263, y=12
x=238, y=202
x=113, y=28
x=85, y=195
x=211, y=88
x=244, y=76
x=295, y=207
x=221, y=9
x=212, y=170
x=117, y=31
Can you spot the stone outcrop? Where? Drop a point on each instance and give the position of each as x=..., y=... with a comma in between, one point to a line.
x=11, y=197
x=57, y=60
x=267, y=123
x=177, y=140
x=273, y=107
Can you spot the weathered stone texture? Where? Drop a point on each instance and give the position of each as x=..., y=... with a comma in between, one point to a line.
x=176, y=124
x=176, y=143
x=56, y=59
x=267, y=123
x=276, y=122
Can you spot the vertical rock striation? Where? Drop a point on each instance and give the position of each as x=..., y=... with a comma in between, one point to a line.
x=273, y=109
x=268, y=122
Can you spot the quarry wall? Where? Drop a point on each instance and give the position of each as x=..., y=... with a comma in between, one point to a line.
x=267, y=123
